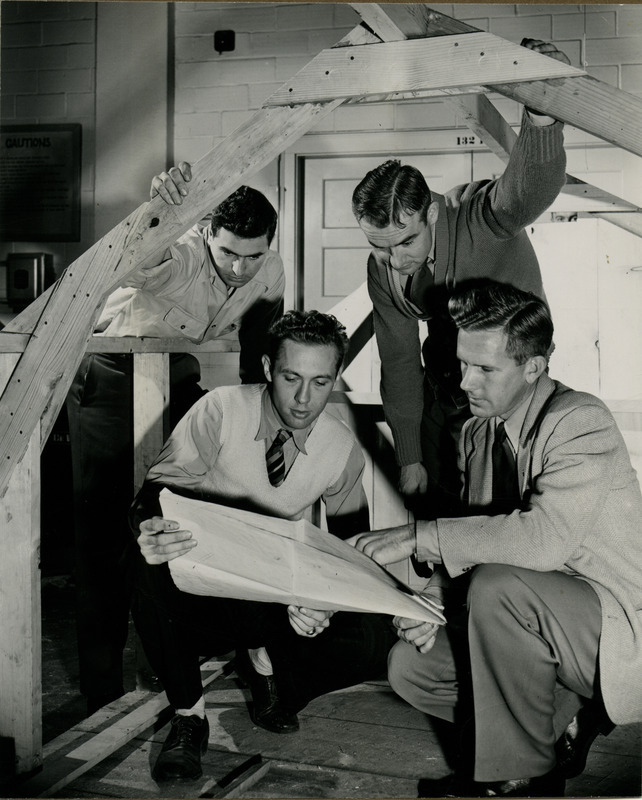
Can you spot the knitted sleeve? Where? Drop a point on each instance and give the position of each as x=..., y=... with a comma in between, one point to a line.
x=531, y=181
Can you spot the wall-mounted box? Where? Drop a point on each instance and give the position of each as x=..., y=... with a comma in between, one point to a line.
x=28, y=275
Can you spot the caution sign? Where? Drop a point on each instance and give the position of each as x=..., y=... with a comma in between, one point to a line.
x=40, y=183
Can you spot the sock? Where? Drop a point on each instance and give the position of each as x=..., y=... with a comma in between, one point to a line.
x=198, y=708
x=260, y=661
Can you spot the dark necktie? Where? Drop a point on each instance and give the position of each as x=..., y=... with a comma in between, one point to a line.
x=505, y=485
x=274, y=459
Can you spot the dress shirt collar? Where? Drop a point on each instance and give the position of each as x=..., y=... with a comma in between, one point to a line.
x=271, y=423
x=513, y=424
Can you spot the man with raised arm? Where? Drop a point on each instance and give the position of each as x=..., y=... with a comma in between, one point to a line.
x=424, y=246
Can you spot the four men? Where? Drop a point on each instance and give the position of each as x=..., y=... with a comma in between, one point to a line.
x=534, y=559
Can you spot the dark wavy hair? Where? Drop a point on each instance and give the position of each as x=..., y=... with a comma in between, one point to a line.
x=522, y=316
x=308, y=327
x=247, y=213
x=388, y=191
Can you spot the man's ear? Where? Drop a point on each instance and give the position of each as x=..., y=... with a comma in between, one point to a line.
x=433, y=213
x=267, y=367
x=534, y=367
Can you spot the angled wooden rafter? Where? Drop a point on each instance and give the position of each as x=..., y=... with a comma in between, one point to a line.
x=480, y=114
x=584, y=102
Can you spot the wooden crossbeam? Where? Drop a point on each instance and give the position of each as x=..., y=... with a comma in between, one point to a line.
x=482, y=117
x=429, y=63
x=598, y=108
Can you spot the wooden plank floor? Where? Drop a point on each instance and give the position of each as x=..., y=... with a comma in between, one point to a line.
x=362, y=742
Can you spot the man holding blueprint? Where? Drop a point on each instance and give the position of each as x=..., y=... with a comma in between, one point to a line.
x=273, y=449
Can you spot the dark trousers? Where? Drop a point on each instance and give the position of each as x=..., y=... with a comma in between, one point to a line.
x=177, y=628
x=532, y=642
x=99, y=408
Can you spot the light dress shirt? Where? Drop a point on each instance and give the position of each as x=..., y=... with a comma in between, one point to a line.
x=192, y=450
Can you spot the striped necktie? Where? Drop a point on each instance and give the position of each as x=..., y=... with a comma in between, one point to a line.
x=274, y=459
x=505, y=485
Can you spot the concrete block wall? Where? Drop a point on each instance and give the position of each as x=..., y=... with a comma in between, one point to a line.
x=48, y=77
x=216, y=92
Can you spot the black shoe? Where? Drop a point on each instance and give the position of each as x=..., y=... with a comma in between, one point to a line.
x=550, y=785
x=573, y=746
x=180, y=756
x=267, y=710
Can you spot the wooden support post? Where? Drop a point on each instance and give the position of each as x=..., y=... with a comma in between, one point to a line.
x=151, y=410
x=20, y=637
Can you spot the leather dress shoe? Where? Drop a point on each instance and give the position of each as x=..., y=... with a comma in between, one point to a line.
x=266, y=709
x=180, y=756
x=573, y=746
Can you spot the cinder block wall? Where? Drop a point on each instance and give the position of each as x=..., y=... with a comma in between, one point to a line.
x=48, y=72
x=215, y=93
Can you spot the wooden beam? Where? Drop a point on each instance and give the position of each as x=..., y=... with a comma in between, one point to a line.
x=482, y=117
x=595, y=107
x=16, y=343
x=418, y=64
x=151, y=410
x=20, y=636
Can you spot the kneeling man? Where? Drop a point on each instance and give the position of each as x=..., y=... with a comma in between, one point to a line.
x=542, y=581
x=273, y=449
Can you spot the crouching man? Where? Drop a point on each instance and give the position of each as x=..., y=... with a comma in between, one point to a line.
x=270, y=448
x=542, y=581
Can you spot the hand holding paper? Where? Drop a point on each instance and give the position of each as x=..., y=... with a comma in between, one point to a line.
x=254, y=557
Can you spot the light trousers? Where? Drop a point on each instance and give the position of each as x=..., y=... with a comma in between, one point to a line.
x=531, y=656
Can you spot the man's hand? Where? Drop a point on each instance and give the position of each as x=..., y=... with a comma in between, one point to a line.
x=420, y=634
x=308, y=622
x=172, y=185
x=413, y=479
x=161, y=540
x=387, y=546
x=546, y=48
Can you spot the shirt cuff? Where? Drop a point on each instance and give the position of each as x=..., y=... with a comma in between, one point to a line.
x=427, y=541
